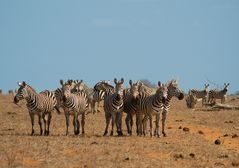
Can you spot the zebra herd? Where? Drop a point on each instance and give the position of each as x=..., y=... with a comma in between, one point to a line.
x=207, y=96
x=137, y=100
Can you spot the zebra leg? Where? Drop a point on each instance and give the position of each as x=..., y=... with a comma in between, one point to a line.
x=151, y=125
x=32, y=121
x=164, y=116
x=140, y=118
x=48, y=124
x=145, y=122
x=107, y=119
x=93, y=107
x=83, y=123
x=156, y=132
x=127, y=120
x=40, y=123
x=119, y=121
x=67, y=121
x=113, y=124
x=44, y=120
x=137, y=123
x=76, y=124
x=98, y=107
x=223, y=100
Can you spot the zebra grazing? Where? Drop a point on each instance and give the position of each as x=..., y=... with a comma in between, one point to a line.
x=74, y=104
x=41, y=104
x=149, y=105
x=173, y=91
x=113, y=106
x=218, y=94
x=201, y=94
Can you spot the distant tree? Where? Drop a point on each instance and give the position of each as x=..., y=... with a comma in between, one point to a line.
x=148, y=83
x=237, y=93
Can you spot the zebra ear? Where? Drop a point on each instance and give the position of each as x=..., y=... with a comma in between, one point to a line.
x=23, y=83
x=228, y=84
x=159, y=84
x=122, y=80
x=115, y=81
x=19, y=83
x=130, y=82
x=81, y=81
x=61, y=82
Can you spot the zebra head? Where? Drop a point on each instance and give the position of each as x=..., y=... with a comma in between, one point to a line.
x=66, y=89
x=22, y=92
x=77, y=85
x=206, y=88
x=119, y=87
x=173, y=90
x=134, y=88
x=226, y=86
x=162, y=91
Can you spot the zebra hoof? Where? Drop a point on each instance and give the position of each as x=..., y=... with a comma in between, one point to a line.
x=105, y=134
x=164, y=134
x=76, y=132
x=112, y=133
x=120, y=133
x=46, y=133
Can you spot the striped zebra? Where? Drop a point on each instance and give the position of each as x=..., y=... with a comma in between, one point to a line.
x=173, y=91
x=149, y=105
x=59, y=92
x=201, y=94
x=218, y=94
x=130, y=103
x=74, y=104
x=97, y=95
x=41, y=104
x=113, y=106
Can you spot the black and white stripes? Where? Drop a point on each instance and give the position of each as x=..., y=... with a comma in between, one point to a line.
x=41, y=104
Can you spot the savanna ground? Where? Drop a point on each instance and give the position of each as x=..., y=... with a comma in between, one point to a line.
x=192, y=147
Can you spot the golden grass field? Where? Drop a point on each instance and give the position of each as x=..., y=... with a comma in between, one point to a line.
x=193, y=148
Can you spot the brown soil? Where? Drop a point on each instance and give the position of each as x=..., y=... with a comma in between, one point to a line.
x=192, y=148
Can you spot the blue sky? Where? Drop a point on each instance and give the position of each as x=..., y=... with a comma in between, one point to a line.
x=192, y=40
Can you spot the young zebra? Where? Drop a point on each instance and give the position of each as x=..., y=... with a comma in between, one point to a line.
x=130, y=104
x=218, y=94
x=201, y=94
x=74, y=104
x=41, y=104
x=113, y=107
x=59, y=93
x=149, y=105
x=173, y=91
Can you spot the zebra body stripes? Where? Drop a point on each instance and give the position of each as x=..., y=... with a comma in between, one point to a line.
x=149, y=105
x=74, y=104
x=113, y=106
x=41, y=104
x=218, y=94
x=201, y=94
x=173, y=91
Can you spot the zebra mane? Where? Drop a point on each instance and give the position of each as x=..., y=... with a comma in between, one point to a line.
x=28, y=86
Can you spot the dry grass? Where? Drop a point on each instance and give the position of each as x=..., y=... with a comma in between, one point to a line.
x=192, y=148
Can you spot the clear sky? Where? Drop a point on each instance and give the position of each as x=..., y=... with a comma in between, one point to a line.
x=47, y=40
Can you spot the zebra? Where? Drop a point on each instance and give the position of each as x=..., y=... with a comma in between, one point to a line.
x=173, y=91
x=218, y=94
x=97, y=95
x=41, y=104
x=74, y=104
x=149, y=105
x=201, y=94
x=113, y=106
x=59, y=92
